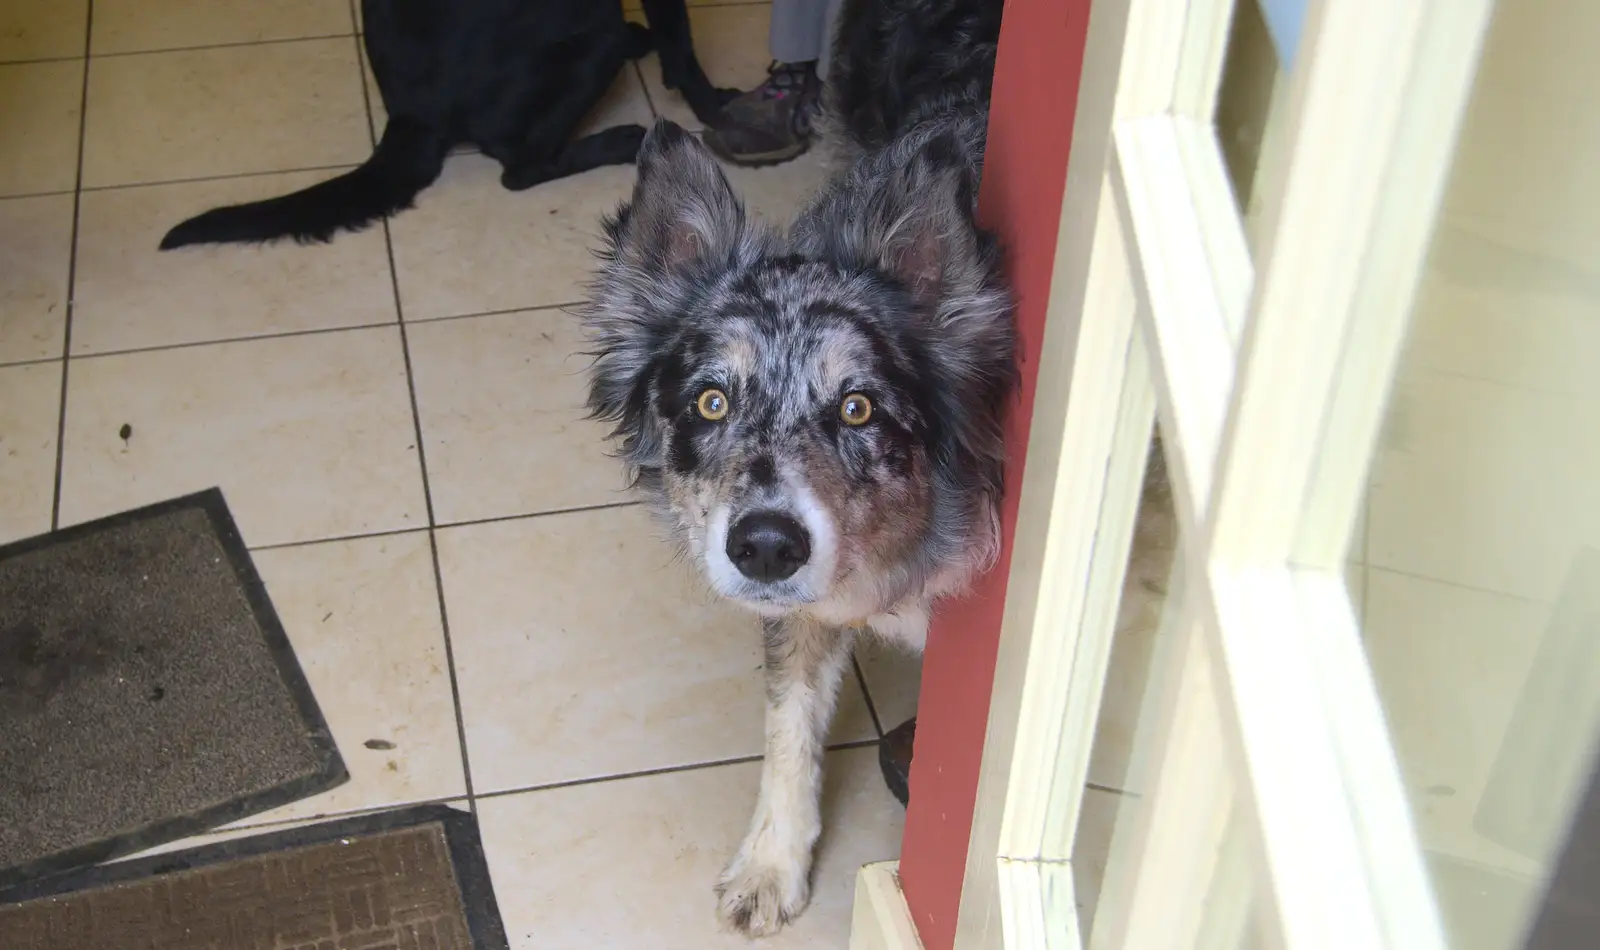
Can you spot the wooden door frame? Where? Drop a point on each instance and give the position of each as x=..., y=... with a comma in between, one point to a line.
x=1257, y=383
x=1036, y=80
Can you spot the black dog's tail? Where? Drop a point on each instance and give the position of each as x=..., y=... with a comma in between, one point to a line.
x=408, y=158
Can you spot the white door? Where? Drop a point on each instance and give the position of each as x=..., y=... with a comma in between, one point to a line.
x=1238, y=277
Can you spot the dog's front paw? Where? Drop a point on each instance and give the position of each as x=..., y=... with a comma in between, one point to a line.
x=757, y=899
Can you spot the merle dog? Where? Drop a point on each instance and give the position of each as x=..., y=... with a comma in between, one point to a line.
x=515, y=78
x=818, y=415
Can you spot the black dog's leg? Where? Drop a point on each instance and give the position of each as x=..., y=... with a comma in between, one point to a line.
x=641, y=42
x=572, y=80
x=680, y=69
x=618, y=145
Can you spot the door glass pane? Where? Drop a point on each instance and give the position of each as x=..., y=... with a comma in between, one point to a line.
x=1140, y=690
x=1478, y=557
x=1229, y=920
x=1249, y=110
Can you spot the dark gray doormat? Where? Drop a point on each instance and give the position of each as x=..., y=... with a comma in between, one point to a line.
x=147, y=690
x=413, y=879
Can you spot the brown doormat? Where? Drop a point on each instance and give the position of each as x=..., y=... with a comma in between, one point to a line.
x=147, y=690
x=413, y=879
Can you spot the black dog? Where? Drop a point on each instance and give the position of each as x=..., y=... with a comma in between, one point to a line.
x=515, y=78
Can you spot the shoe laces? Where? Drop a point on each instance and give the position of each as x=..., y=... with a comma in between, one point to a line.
x=784, y=79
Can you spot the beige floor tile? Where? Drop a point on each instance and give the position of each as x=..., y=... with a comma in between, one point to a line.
x=470, y=246
x=35, y=258
x=42, y=103
x=363, y=617
x=130, y=295
x=778, y=193
x=503, y=417
x=625, y=103
x=893, y=678
x=310, y=437
x=42, y=29
x=1484, y=484
x=1450, y=665
x=1496, y=312
x=124, y=26
x=731, y=44
x=1139, y=640
x=584, y=648
x=30, y=407
x=227, y=111
x=631, y=864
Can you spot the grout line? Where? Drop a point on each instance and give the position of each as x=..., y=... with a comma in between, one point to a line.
x=225, y=341
x=638, y=73
x=564, y=305
x=38, y=194
x=473, y=522
x=504, y=793
x=237, y=44
x=433, y=537
x=1111, y=791
x=36, y=361
x=44, y=59
x=427, y=488
x=1457, y=585
x=285, y=334
x=72, y=274
x=861, y=680
x=664, y=770
x=155, y=183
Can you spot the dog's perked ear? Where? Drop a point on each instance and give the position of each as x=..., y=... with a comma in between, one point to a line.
x=908, y=214
x=924, y=219
x=682, y=224
x=683, y=209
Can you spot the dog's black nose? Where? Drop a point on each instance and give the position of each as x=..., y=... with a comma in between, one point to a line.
x=767, y=546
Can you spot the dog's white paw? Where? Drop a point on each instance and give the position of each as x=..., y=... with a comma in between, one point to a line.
x=757, y=899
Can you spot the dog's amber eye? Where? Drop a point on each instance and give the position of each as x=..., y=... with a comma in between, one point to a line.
x=712, y=405
x=855, y=410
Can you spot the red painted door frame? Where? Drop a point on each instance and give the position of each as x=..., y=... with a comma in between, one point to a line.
x=1030, y=133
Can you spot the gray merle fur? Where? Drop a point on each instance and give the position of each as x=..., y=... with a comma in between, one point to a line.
x=884, y=289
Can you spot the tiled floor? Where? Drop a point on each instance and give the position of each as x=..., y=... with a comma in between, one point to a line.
x=395, y=420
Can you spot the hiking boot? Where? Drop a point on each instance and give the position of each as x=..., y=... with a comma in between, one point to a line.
x=772, y=122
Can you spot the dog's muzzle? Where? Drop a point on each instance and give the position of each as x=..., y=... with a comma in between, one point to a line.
x=768, y=546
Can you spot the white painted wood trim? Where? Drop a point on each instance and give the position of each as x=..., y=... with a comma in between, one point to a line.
x=1292, y=712
x=881, y=920
x=1183, y=307
x=1039, y=905
x=1055, y=640
x=1272, y=716
x=979, y=922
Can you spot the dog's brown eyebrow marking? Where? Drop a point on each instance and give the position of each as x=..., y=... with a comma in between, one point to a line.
x=740, y=355
x=838, y=353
